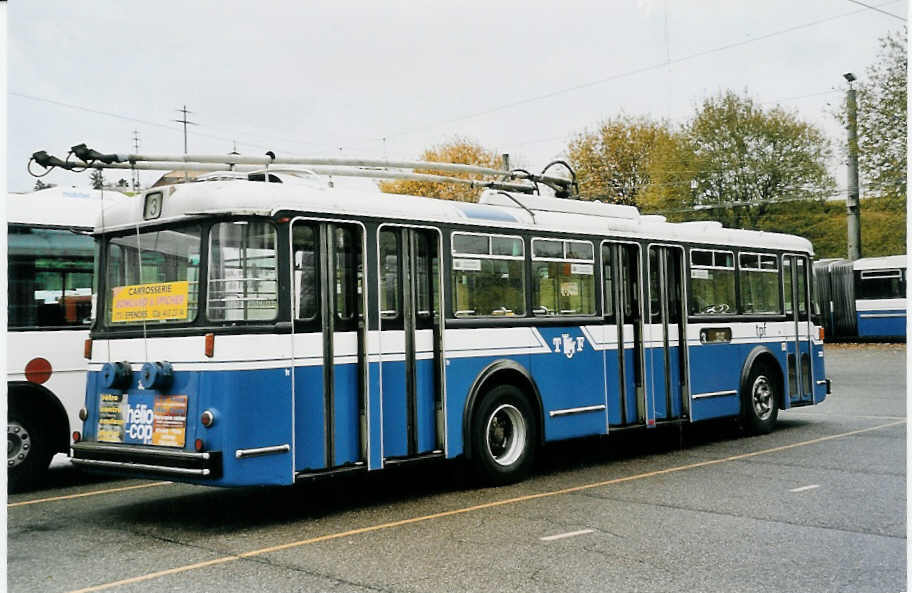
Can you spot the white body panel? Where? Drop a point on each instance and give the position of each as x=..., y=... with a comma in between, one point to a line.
x=64, y=350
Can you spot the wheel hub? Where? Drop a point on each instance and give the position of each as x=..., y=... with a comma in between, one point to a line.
x=506, y=435
x=18, y=443
x=762, y=398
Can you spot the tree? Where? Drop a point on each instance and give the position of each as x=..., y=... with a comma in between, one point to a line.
x=751, y=157
x=458, y=150
x=620, y=160
x=882, y=119
x=97, y=179
x=122, y=183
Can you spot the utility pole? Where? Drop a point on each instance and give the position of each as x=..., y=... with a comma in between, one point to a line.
x=135, y=151
x=186, y=122
x=853, y=205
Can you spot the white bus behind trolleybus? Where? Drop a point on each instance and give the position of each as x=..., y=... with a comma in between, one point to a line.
x=50, y=267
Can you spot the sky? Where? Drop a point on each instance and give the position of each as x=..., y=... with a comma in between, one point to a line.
x=389, y=79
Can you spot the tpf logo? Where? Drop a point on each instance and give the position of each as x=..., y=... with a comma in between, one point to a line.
x=568, y=344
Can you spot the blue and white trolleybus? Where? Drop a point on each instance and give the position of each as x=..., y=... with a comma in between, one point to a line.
x=267, y=328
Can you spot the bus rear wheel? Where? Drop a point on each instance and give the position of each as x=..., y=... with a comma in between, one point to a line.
x=760, y=401
x=27, y=455
x=503, y=436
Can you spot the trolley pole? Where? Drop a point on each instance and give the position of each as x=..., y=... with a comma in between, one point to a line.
x=853, y=205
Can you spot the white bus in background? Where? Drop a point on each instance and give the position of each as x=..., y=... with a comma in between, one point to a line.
x=50, y=268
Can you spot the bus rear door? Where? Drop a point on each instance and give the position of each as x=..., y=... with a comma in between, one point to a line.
x=795, y=292
x=410, y=342
x=626, y=398
x=666, y=374
x=330, y=381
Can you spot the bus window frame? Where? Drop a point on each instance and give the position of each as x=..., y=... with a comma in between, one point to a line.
x=282, y=323
x=689, y=250
x=398, y=322
x=740, y=292
x=452, y=255
x=316, y=324
x=596, y=277
x=78, y=230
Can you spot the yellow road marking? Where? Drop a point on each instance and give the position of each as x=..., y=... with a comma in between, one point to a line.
x=487, y=505
x=92, y=493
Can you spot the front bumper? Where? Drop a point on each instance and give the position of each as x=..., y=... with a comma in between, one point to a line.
x=144, y=460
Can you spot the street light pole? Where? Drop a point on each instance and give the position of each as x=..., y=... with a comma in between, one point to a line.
x=853, y=205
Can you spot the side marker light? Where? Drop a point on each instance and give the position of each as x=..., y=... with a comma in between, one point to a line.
x=87, y=349
x=198, y=445
x=210, y=345
x=76, y=436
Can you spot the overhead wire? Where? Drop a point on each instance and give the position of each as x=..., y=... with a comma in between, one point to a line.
x=874, y=8
x=628, y=73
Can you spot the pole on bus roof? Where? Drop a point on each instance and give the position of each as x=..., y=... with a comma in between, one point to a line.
x=94, y=159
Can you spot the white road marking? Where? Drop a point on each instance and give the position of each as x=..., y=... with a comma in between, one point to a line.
x=551, y=538
x=803, y=488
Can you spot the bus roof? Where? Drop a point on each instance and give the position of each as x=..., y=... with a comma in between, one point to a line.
x=877, y=263
x=495, y=209
x=58, y=206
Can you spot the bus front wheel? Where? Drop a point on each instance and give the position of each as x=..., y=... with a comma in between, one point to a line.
x=504, y=436
x=27, y=454
x=761, y=401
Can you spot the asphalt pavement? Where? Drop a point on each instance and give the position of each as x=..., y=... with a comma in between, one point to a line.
x=818, y=505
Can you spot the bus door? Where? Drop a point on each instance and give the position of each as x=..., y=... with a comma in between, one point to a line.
x=330, y=347
x=620, y=273
x=795, y=288
x=410, y=342
x=666, y=359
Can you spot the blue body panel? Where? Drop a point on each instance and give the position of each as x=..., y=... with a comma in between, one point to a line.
x=570, y=376
x=725, y=362
x=883, y=327
x=395, y=410
x=310, y=443
x=254, y=407
x=347, y=436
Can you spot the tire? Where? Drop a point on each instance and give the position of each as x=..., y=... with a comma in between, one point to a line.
x=503, y=435
x=27, y=453
x=760, y=400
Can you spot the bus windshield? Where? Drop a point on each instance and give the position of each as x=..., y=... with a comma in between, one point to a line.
x=153, y=277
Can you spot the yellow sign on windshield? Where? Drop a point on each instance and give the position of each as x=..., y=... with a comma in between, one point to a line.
x=150, y=302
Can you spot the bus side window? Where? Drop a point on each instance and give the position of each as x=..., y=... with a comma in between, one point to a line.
x=563, y=277
x=802, y=289
x=389, y=274
x=787, y=283
x=348, y=273
x=305, y=271
x=488, y=275
x=608, y=283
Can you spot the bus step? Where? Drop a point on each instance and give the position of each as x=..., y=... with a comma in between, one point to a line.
x=422, y=457
x=335, y=471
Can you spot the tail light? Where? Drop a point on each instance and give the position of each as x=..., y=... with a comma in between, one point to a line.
x=83, y=414
x=198, y=445
x=76, y=436
x=207, y=418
